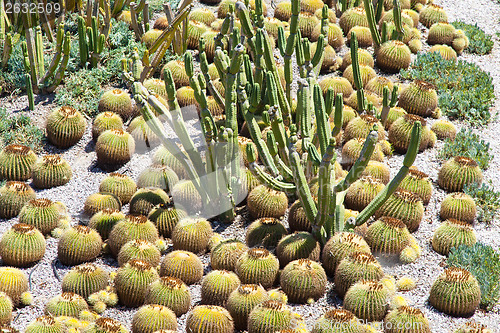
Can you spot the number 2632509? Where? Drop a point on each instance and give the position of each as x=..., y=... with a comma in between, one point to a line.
x=32, y=8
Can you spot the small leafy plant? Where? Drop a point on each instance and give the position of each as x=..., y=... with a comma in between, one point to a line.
x=465, y=91
x=19, y=129
x=479, y=42
x=487, y=200
x=470, y=145
x=484, y=263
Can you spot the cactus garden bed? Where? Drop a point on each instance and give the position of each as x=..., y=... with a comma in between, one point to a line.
x=69, y=179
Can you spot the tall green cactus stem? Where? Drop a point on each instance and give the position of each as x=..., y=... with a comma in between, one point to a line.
x=82, y=40
x=61, y=70
x=29, y=92
x=204, y=69
x=7, y=49
x=358, y=82
x=290, y=46
x=372, y=23
x=396, y=10
x=39, y=52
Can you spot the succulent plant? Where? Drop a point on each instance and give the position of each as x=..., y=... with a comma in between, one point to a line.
x=452, y=233
x=225, y=255
x=472, y=326
x=46, y=324
x=392, y=56
x=356, y=267
x=360, y=126
x=394, y=114
x=364, y=58
x=334, y=35
x=99, y=201
x=194, y=32
x=165, y=217
x=419, y=98
x=6, y=308
x=164, y=157
x=104, y=220
x=455, y=292
x=144, y=138
x=263, y=201
x=340, y=246
x=266, y=232
x=120, y=185
x=204, y=15
x=14, y=283
x=459, y=206
x=170, y=292
x=340, y=85
x=159, y=176
x=217, y=285
x=178, y=71
x=441, y=33
x=114, y=147
x=145, y=199
x=105, y=121
x=13, y=196
x=185, y=96
x=303, y=281
x=338, y=321
x=183, y=265
x=415, y=45
x=431, y=14
x=78, y=244
x=444, y=129
x=352, y=17
x=299, y=245
x=306, y=24
x=22, y=245
x=370, y=98
x=116, y=101
x=184, y=193
x=65, y=126
x=363, y=35
x=404, y=205
x=405, y=283
x=400, y=133
x=51, y=171
x=268, y=317
x=257, y=266
x=209, y=319
x=446, y=52
x=458, y=172
x=352, y=149
x=410, y=253
x=16, y=162
x=283, y=11
x=192, y=234
x=297, y=219
x=155, y=85
x=367, y=299
x=106, y=325
x=130, y=228
x=367, y=73
x=85, y=280
x=139, y=249
x=132, y=281
x=377, y=85
x=419, y=183
x=388, y=235
x=377, y=170
x=412, y=319
x=277, y=295
x=242, y=301
x=66, y=304
x=362, y=192
x=42, y=214
x=150, y=318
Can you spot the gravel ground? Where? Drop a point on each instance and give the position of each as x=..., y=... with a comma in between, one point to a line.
x=87, y=176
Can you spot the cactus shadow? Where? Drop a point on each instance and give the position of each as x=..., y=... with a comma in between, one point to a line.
x=90, y=146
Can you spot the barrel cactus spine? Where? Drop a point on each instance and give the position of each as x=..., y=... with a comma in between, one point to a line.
x=303, y=280
x=183, y=265
x=13, y=196
x=170, y=292
x=22, y=245
x=132, y=281
x=209, y=318
x=51, y=171
x=120, y=185
x=65, y=126
x=42, y=214
x=85, y=279
x=130, y=228
x=150, y=318
x=257, y=266
x=241, y=302
x=79, y=244
x=16, y=162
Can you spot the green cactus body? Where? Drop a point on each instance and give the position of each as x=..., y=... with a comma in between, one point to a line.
x=446, y=52
x=185, y=96
x=51, y=171
x=116, y=101
x=306, y=24
x=338, y=321
x=265, y=232
x=388, y=235
x=139, y=249
x=6, y=307
x=444, y=129
x=419, y=98
x=404, y=205
x=266, y=202
x=410, y=253
x=42, y=214
x=178, y=71
x=299, y=245
x=364, y=58
x=13, y=196
x=145, y=199
x=297, y=219
x=377, y=85
x=144, y=137
x=248, y=183
x=105, y=121
x=455, y=292
x=392, y=56
x=283, y=11
x=353, y=17
x=131, y=228
x=334, y=35
x=410, y=319
x=389, y=18
x=419, y=183
x=217, y=286
x=303, y=281
x=268, y=317
x=78, y=244
x=458, y=172
x=367, y=73
x=377, y=170
x=194, y=32
x=132, y=281
x=277, y=295
x=165, y=217
x=209, y=37
x=104, y=220
x=452, y=233
x=414, y=15
x=361, y=126
x=459, y=206
x=367, y=299
x=352, y=149
x=431, y=14
x=183, y=265
x=14, y=283
x=362, y=192
x=242, y=301
x=66, y=304
x=164, y=157
x=192, y=234
x=120, y=185
x=106, y=325
x=153, y=317
x=209, y=319
x=184, y=193
x=156, y=86
x=114, y=147
x=22, y=245
x=225, y=255
x=257, y=266
x=400, y=133
x=340, y=246
x=363, y=35
x=354, y=268
x=330, y=60
x=415, y=45
x=203, y=15
x=46, y=324
x=352, y=100
x=170, y=292
x=85, y=280
x=158, y=176
x=16, y=162
x=100, y=201
x=441, y=33
x=394, y=114
x=339, y=85
x=65, y=127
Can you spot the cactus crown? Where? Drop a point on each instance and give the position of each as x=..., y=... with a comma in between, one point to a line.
x=407, y=196
x=69, y=296
x=171, y=282
x=117, y=131
x=423, y=85
x=108, y=325
x=432, y=5
x=459, y=223
x=82, y=229
x=258, y=253
x=109, y=114
x=52, y=160
x=455, y=274
x=393, y=222
x=339, y=315
x=372, y=285
x=247, y=289
x=363, y=258
x=68, y=112
x=269, y=221
x=359, y=10
x=17, y=150
x=413, y=118
x=418, y=174
x=117, y=175
x=136, y=219
x=369, y=119
x=351, y=238
x=86, y=268
x=23, y=228
x=274, y=305
x=116, y=91
x=139, y=264
x=46, y=320
x=17, y=186
x=370, y=180
x=40, y=203
x=465, y=161
x=109, y=211
x=411, y=310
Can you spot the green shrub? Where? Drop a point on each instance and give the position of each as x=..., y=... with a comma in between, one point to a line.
x=479, y=41
x=465, y=91
x=484, y=263
x=487, y=201
x=470, y=145
x=19, y=129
